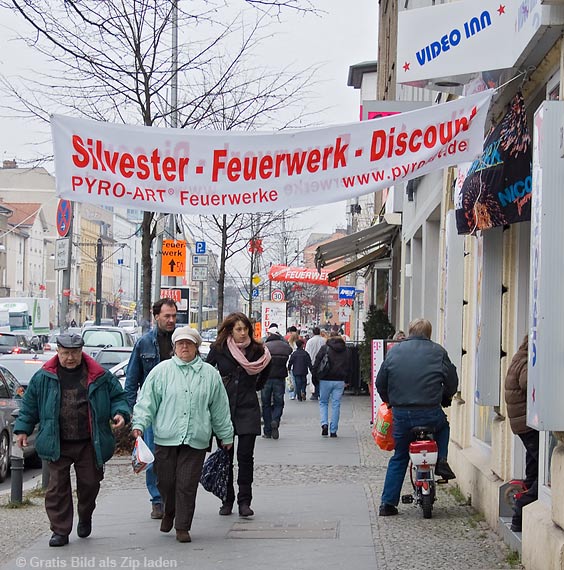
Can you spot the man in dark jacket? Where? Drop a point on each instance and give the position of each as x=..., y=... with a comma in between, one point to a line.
x=74, y=399
x=332, y=381
x=153, y=347
x=272, y=394
x=300, y=364
x=415, y=377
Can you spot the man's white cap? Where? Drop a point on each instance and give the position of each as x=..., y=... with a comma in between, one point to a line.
x=273, y=328
x=187, y=333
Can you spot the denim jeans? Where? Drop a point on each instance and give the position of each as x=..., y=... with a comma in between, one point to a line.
x=300, y=385
x=272, y=399
x=330, y=390
x=403, y=420
x=150, y=475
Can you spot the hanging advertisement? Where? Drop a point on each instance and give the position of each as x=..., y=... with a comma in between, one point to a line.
x=216, y=172
x=498, y=185
x=300, y=275
x=273, y=313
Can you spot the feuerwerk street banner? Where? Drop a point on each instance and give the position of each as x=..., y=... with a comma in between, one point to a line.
x=300, y=275
x=214, y=172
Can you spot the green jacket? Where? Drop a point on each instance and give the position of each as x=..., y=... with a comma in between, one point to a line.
x=42, y=401
x=184, y=402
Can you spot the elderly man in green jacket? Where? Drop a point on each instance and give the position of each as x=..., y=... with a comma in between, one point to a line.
x=185, y=401
x=76, y=402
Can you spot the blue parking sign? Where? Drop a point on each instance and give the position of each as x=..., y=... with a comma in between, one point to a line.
x=200, y=247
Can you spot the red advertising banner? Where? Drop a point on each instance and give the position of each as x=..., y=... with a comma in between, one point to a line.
x=300, y=275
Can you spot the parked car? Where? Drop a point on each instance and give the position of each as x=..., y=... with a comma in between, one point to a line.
x=14, y=343
x=119, y=371
x=96, y=338
x=24, y=366
x=112, y=355
x=11, y=392
x=103, y=323
x=209, y=335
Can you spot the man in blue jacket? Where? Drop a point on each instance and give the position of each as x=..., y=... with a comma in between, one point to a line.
x=74, y=399
x=415, y=377
x=153, y=347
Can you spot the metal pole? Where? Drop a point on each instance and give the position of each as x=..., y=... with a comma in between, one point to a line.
x=170, y=223
x=200, y=304
x=66, y=281
x=17, y=467
x=99, y=261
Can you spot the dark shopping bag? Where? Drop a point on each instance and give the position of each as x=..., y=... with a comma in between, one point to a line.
x=215, y=473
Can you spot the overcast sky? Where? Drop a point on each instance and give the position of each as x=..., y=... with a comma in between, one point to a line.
x=345, y=35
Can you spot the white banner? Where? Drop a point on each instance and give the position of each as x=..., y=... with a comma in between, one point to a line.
x=209, y=172
x=274, y=312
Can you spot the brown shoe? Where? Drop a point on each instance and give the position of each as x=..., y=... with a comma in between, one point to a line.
x=167, y=523
x=183, y=536
x=157, y=511
x=226, y=509
x=245, y=510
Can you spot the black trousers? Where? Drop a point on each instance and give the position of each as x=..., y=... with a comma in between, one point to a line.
x=178, y=470
x=58, y=497
x=244, y=445
x=530, y=440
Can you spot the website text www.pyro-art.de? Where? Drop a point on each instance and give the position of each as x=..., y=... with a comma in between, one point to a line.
x=400, y=171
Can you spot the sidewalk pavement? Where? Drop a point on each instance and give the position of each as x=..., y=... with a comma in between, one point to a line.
x=315, y=501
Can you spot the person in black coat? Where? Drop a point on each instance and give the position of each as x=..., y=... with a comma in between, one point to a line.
x=300, y=364
x=272, y=393
x=332, y=381
x=243, y=364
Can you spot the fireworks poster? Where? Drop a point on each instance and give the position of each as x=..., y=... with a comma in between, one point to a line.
x=497, y=188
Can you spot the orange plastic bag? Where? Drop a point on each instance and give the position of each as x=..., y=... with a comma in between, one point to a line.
x=382, y=430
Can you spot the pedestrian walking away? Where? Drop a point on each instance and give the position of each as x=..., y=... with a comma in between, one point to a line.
x=153, y=347
x=74, y=400
x=272, y=394
x=183, y=398
x=300, y=364
x=243, y=364
x=516, y=400
x=414, y=379
x=312, y=347
x=332, y=381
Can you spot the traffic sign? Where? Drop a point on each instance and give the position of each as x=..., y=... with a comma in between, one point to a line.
x=64, y=217
x=255, y=292
x=277, y=295
x=173, y=262
x=200, y=259
x=257, y=280
x=200, y=247
x=62, y=247
x=347, y=292
x=199, y=272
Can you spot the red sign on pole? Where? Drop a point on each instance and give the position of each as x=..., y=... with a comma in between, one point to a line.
x=64, y=217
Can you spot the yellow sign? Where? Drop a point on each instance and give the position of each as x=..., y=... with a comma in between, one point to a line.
x=173, y=262
x=256, y=280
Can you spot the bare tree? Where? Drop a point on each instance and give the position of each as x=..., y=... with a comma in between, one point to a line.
x=231, y=235
x=111, y=61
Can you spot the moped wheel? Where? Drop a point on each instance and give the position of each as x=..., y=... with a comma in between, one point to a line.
x=427, y=506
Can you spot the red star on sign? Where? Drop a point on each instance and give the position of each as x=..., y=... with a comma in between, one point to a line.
x=501, y=9
x=406, y=66
x=255, y=246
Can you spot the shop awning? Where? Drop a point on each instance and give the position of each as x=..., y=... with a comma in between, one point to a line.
x=381, y=257
x=358, y=244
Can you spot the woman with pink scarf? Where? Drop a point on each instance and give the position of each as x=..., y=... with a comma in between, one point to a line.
x=243, y=364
